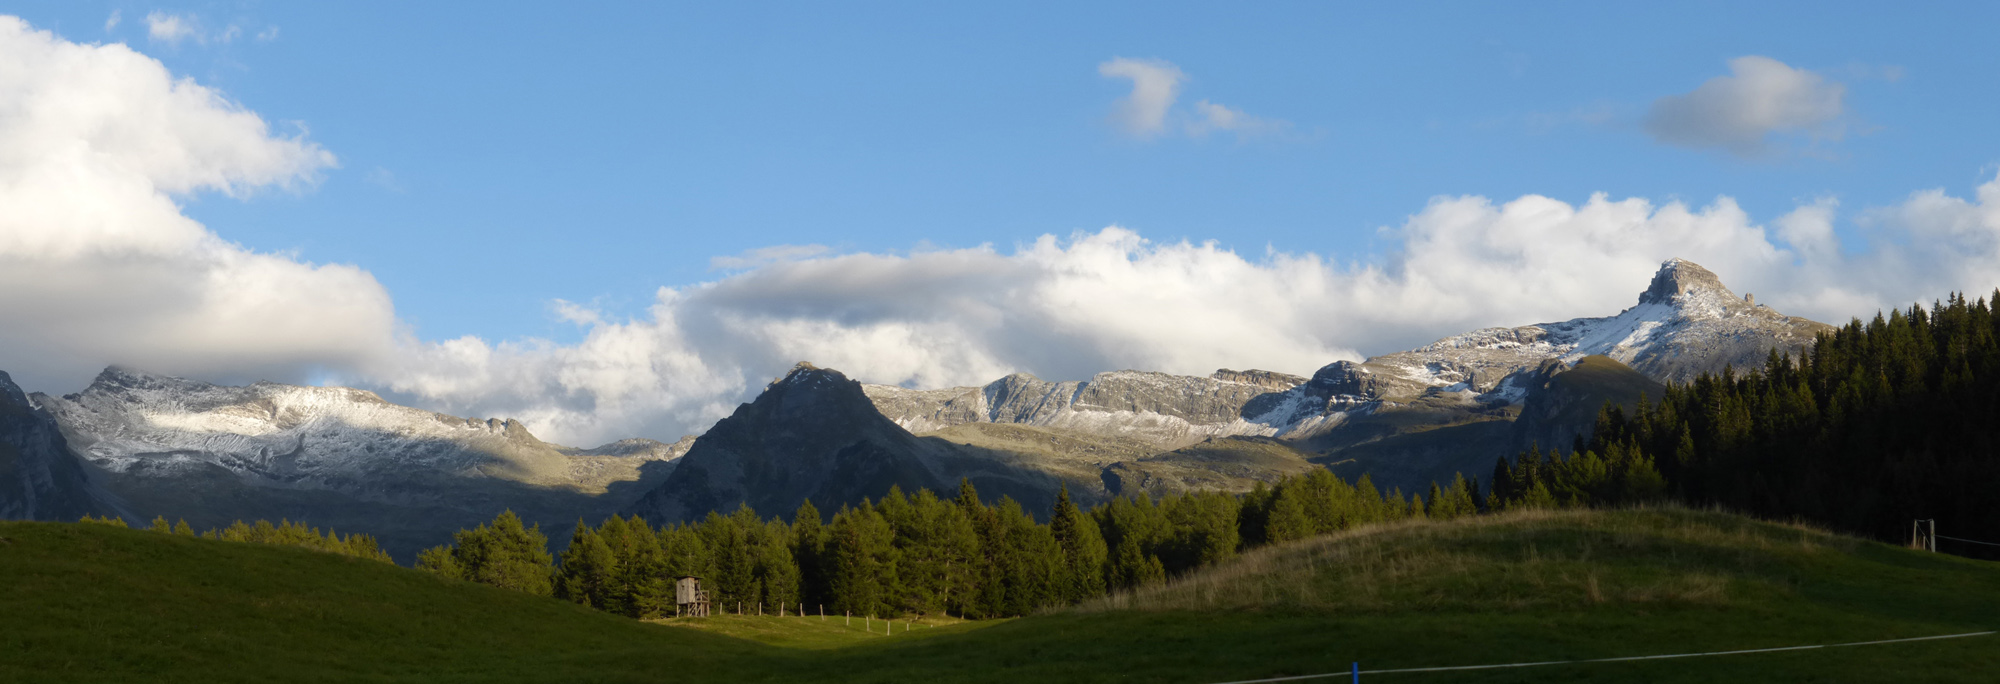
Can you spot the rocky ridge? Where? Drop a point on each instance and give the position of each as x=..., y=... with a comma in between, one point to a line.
x=334, y=456
x=137, y=423
x=1685, y=323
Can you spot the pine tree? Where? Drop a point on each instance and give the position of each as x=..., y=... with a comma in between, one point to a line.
x=588, y=568
x=1288, y=519
x=1082, y=547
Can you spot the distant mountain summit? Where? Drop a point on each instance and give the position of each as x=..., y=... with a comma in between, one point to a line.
x=814, y=434
x=1686, y=323
x=811, y=434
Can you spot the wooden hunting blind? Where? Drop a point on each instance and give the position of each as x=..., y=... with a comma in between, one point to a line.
x=689, y=598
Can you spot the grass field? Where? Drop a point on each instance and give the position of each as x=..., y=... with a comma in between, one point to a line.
x=93, y=603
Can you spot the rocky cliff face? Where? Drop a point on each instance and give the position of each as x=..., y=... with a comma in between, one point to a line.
x=335, y=456
x=39, y=478
x=1168, y=411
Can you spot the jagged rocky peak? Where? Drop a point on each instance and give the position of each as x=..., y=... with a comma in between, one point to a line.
x=10, y=393
x=1679, y=277
x=806, y=372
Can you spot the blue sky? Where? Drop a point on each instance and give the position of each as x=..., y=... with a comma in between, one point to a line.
x=495, y=157
x=495, y=160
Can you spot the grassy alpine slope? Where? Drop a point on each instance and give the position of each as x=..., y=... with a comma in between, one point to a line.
x=86, y=602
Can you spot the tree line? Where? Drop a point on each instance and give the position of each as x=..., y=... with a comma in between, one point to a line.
x=284, y=533
x=1880, y=424
x=920, y=554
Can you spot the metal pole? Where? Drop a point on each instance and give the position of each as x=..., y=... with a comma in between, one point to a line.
x=1357, y=672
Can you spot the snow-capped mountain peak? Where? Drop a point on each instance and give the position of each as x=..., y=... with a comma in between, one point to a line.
x=144, y=424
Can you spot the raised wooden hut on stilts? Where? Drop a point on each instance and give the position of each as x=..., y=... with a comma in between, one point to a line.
x=689, y=598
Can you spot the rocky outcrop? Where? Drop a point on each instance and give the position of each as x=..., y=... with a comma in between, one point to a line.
x=39, y=478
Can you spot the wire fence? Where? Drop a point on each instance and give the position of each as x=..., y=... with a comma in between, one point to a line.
x=1969, y=541
x=1356, y=672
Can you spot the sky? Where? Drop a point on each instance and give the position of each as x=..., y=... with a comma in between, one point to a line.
x=619, y=220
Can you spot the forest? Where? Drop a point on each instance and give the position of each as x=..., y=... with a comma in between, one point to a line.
x=1882, y=424
x=284, y=533
x=921, y=554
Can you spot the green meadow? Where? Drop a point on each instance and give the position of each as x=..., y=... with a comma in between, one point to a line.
x=98, y=603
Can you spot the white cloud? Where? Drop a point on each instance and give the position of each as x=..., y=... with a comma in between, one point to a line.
x=112, y=22
x=1155, y=86
x=1762, y=98
x=270, y=33
x=1211, y=117
x=97, y=263
x=172, y=28
x=1148, y=111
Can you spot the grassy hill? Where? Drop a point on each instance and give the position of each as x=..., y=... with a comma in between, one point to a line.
x=85, y=602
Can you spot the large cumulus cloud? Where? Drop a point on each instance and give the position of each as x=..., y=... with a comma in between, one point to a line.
x=97, y=263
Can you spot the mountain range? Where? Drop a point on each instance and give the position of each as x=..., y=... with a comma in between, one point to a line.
x=139, y=445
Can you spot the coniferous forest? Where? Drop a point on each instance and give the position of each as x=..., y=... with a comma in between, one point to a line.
x=920, y=554
x=1882, y=424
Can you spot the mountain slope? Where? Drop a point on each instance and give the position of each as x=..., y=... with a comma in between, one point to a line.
x=94, y=603
x=1562, y=401
x=39, y=478
x=334, y=456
